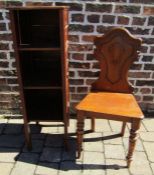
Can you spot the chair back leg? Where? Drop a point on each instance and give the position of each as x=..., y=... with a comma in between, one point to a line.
x=123, y=129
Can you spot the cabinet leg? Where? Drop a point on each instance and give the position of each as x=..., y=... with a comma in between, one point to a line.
x=27, y=136
x=135, y=125
x=80, y=126
x=123, y=129
x=66, y=136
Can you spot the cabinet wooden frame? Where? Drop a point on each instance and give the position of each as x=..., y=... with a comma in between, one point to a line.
x=42, y=51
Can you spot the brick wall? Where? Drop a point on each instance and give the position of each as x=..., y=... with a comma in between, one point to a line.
x=87, y=18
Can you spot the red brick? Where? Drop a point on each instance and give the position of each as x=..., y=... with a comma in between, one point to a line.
x=145, y=90
x=103, y=29
x=136, y=66
x=127, y=9
x=108, y=19
x=148, y=10
x=141, y=1
x=144, y=49
x=77, y=17
x=15, y=88
x=1, y=16
x=4, y=46
x=151, y=21
x=147, y=58
x=138, y=21
x=81, y=28
x=149, y=67
x=139, y=74
x=77, y=56
x=5, y=97
x=152, y=49
x=96, y=65
x=72, y=89
x=39, y=3
x=99, y=7
x=90, y=81
x=2, y=26
x=123, y=20
x=88, y=74
x=73, y=38
x=76, y=81
x=7, y=37
x=82, y=89
x=88, y=38
x=71, y=74
x=2, y=81
x=113, y=1
x=13, y=3
x=93, y=18
x=150, y=106
x=79, y=65
x=132, y=82
x=138, y=98
x=79, y=47
x=148, y=40
x=90, y=57
x=4, y=64
x=3, y=55
x=147, y=98
x=145, y=82
x=8, y=73
x=138, y=30
x=2, y=4
x=12, y=81
x=73, y=6
x=77, y=96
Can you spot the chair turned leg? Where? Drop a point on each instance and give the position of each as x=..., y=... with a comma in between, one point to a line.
x=123, y=129
x=135, y=125
x=92, y=124
x=80, y=126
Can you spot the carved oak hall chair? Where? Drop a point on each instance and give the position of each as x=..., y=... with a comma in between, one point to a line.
x=111, y=97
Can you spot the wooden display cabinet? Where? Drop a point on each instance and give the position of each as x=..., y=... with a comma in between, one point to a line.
x=40, y=44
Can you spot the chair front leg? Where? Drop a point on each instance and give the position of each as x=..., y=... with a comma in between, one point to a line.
x=80, y=127
x=135, y=125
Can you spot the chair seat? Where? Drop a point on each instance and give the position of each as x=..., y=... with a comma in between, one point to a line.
x=111, y=103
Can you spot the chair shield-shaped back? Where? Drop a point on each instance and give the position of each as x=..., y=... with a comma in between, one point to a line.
x=115, y=51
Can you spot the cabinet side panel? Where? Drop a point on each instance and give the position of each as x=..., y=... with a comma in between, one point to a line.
x=14, y=29
x=64, y=58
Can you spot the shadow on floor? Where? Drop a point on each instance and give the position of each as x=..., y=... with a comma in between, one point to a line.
x=47, y=148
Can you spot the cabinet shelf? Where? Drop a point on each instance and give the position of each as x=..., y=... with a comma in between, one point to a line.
x=26, y=48
x=42, y=87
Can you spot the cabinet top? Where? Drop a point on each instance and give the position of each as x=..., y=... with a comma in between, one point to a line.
x=37, y=7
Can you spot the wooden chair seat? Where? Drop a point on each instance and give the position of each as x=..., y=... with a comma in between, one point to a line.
x=116, y=104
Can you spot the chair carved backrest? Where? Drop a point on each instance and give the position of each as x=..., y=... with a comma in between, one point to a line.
x=115, y=51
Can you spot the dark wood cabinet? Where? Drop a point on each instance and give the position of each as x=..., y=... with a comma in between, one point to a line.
x=40, y=43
